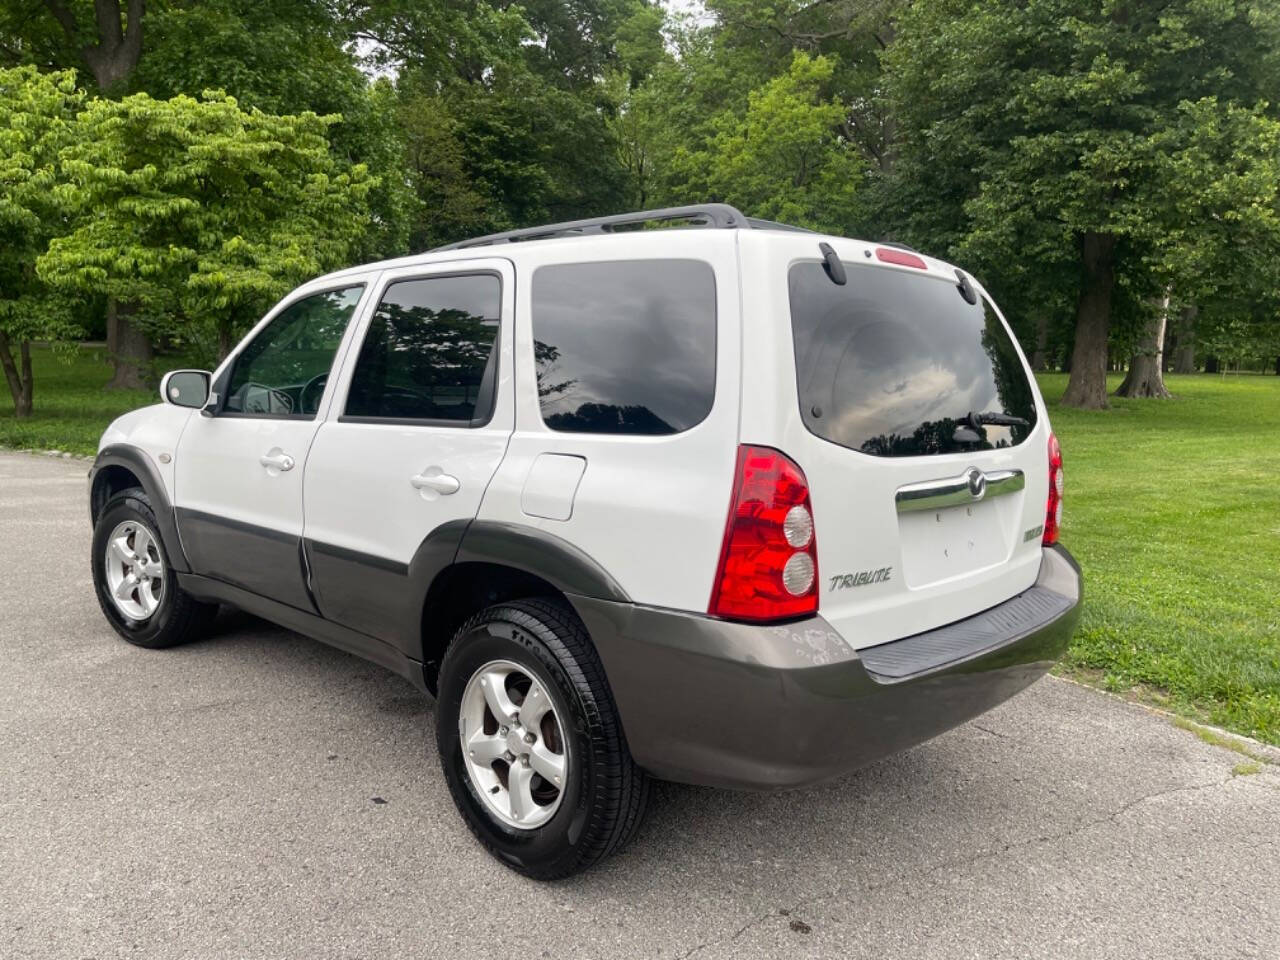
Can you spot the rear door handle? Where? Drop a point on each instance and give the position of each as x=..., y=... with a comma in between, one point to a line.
x=439, y=482
x=280, y=461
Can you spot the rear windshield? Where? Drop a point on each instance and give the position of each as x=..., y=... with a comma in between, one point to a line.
x=900, y=365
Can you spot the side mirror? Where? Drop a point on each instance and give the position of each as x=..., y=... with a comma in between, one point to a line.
x=186, y=388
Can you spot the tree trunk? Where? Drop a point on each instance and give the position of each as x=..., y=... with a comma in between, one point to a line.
x=1087, y=387
x=1145, y=377
x=1184, y=358
x=129, y=349
x=1039, y=361
x=115, y=56
x=1210, y=364
x=225, y=341
x=18, y=378
x=1278, y=366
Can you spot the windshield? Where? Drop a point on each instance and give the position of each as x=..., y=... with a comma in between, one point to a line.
x=900, y=365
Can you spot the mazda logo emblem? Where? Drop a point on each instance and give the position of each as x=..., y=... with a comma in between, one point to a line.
x=977, y=481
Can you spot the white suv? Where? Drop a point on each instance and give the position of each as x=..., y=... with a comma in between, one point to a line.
x=739, y=505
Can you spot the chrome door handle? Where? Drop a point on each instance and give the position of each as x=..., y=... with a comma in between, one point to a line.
x=439, y=482
x=281, y=462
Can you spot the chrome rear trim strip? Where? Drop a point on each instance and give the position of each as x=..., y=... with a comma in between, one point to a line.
x=970, y=487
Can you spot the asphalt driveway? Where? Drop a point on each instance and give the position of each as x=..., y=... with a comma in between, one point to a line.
x=260, y=795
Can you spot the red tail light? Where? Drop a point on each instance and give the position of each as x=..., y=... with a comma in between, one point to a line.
x=769, y=561
x=1053, y=509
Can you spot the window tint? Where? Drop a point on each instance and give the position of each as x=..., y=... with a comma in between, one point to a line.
x=625, y=347
x=430, y=352
x=893, y=364
x=284, y=369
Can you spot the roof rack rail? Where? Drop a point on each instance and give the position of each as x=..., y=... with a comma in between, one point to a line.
x=759, y=224
x=714, y=215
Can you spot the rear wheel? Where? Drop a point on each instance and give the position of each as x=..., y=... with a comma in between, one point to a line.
x=531, y=744
x=136, y=586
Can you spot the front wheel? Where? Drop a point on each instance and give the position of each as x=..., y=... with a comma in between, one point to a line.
x=136, y=586
x=531, y=744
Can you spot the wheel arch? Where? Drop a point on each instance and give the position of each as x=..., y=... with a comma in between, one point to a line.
x=497, y=561
x=119, y=467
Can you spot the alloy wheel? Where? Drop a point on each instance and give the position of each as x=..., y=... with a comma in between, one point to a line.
x=513, y=744
x=134, y=570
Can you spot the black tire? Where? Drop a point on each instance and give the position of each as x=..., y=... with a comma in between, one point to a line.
x=604, y=799
x=179, y=617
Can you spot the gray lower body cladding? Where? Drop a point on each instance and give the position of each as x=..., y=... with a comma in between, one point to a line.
x=733, y=705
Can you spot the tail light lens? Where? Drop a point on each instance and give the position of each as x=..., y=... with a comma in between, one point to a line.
x=1053, y=509
x=902, y=258
x=769, y=561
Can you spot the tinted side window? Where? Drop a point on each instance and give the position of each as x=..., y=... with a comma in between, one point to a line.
x=430, y=352
x=625, y=347
x=282, y=372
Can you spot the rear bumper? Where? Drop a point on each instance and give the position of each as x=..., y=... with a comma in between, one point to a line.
x=733, y=705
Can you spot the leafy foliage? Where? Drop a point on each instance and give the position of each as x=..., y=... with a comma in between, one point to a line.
x=1089, y=159
x=198, y=209
x=37, y=120
x=785, y=159
x=1028, y=128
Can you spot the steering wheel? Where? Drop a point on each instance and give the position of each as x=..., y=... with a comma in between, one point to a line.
x=316, y=383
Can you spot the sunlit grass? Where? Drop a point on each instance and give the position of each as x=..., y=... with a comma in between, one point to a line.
x=71, y=406
x=1173, y=509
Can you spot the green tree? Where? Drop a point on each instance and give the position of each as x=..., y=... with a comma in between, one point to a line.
x=287, y=57
x=200, y=210
x=516, y=105
x=37, y=121
x=1036, y=141
x=787, y=158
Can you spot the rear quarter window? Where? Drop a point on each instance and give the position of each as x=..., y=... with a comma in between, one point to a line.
x=895, y=364
x=625, y=347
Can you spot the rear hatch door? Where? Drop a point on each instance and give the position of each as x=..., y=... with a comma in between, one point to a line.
x=923, y=439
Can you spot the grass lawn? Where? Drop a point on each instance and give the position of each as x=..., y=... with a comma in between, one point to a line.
x=71, y=406
x=1172, y=508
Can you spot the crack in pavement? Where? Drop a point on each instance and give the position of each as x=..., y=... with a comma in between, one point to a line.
x=988, y=730
x=961, y=862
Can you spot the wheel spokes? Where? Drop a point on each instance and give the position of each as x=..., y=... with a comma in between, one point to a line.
x=520, y=791
x=494, y=686
x=142, y=543
x=535, y=706
x=120, y=551
x=147, y=597
x=134, y=570
x=484, y=748
x=549, y=766
x=509, y=747
x=124, y=589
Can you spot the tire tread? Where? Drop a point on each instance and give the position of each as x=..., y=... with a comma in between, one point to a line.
x=624, y=787
x=188, y=618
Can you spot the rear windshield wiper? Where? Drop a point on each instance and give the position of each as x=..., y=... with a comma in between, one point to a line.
x=969, y=427
x=991, y=417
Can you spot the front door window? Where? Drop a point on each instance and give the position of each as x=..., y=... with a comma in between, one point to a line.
x=283, y=371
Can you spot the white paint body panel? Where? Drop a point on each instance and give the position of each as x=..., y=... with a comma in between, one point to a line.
x=650, y=510
x=216, y=466
x=855, y=515
x=358, y=492
x=154, y=430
